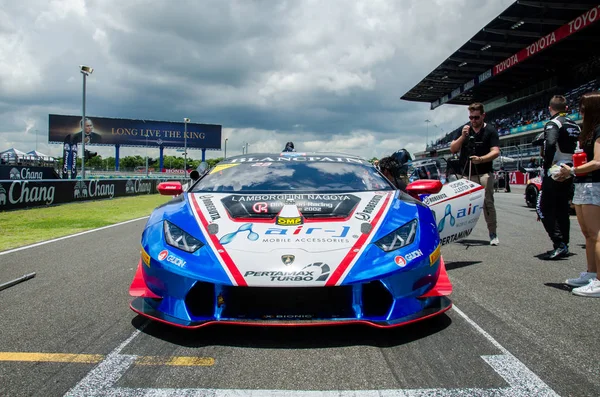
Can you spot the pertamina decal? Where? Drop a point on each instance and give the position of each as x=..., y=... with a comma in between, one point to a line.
x=317, y=271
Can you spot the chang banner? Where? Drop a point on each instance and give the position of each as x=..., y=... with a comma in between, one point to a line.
x=129, y=132
x=16, y=194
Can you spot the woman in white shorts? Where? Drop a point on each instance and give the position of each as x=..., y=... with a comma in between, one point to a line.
x=587, y=195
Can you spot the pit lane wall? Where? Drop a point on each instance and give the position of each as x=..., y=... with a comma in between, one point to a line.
x=19, y=194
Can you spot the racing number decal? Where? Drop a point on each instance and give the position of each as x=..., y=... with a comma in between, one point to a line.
x=356, y=250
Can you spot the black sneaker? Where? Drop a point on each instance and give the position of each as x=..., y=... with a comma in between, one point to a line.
x=560, y=252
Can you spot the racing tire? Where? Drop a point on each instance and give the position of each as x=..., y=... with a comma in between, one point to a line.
x=531, y=196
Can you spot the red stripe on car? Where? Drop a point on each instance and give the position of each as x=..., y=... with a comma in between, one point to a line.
x=351, y=255
x=233, y=270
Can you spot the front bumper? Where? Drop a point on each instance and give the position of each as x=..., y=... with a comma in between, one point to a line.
x=371, y=303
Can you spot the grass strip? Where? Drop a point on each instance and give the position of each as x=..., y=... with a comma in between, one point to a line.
x=23, y=227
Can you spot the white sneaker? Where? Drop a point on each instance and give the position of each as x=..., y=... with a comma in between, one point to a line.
x=583, y=279
x=592, y=289
x=494, y=239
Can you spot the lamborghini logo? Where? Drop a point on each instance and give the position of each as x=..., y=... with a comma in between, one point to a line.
x=287, y=259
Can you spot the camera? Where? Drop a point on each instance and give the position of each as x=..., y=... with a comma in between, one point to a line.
x=470, y=144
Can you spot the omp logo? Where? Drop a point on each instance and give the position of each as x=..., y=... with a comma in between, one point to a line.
x=281, y=221
x=15, y=174
x=81, y=190
x=2, y=196
x=324, y=270
x=246, y=227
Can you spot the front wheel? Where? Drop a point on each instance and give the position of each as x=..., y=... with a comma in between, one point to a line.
x=531, y=196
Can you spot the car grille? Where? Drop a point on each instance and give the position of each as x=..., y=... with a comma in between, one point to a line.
x=200, y=301
x=288, y=303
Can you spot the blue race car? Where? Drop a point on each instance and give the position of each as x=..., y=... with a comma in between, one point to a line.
x=293, y=239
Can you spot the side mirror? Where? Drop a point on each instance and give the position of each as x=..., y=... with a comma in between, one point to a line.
x=170, y=188
x=202, y=167
x=200, y=171
x=424, y=186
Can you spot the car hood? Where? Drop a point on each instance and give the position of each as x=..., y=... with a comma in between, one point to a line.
x=289, y=239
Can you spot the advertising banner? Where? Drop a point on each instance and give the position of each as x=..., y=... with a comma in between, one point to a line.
x=559, y=34
x=66, y=168
x=579, y=23
x=23, y=172
x=73, y=159
x=129, y=132
x=17, y=194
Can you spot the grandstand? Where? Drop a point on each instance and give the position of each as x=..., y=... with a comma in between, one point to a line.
x=531, y=51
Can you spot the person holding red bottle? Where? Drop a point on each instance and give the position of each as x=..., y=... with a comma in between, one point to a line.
x=586, y=170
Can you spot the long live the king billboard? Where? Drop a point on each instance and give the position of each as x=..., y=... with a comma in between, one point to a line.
x=128, y=132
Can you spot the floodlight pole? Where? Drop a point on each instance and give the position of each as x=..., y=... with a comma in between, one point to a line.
x=427, y=135
x=83, y=130
x=146, y=153
x=85, y=71
x=225, y=155
x=185, y=121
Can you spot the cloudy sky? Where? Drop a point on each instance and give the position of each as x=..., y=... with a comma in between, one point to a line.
x=325, y=74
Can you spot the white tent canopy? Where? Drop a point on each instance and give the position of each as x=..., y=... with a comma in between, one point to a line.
x=40, y=155
x=12, y=152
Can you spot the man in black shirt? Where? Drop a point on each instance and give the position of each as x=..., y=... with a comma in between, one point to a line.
x=560, y=140
x=478, y=143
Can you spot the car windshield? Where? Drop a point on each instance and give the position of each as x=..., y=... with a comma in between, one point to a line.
x=297, y=173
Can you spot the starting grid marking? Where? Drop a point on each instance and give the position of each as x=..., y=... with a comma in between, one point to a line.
x=521, y=380
x=96, y=358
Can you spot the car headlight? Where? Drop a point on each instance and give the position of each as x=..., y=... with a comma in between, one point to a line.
x=177, y=238
x=401, y=237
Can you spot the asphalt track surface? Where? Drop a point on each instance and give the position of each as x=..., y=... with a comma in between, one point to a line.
x=515, y=329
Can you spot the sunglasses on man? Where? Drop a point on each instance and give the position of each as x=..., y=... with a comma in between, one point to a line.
x=474, y=117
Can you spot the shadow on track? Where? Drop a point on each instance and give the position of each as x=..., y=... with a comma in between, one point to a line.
x=293, y=337
x=458, y=265
x=544, y=257
x=473, y=243
x=560, y=286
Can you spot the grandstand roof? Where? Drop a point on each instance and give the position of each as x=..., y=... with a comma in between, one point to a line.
x=529, y=42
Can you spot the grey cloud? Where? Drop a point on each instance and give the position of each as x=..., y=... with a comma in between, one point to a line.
x=326, y=74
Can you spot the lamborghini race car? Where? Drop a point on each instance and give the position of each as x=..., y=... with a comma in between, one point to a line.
x=300, y=239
